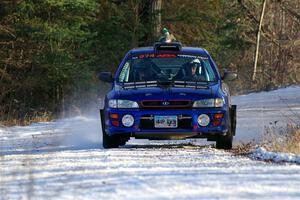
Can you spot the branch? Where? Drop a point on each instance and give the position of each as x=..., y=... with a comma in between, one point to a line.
x=7, y=31
x=291, y=12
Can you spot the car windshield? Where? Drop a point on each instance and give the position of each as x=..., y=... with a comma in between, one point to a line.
x=167, y=67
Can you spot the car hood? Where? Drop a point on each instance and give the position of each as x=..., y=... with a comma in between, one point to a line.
x=156, y=93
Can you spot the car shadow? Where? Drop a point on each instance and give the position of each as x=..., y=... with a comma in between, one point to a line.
x=166, y=146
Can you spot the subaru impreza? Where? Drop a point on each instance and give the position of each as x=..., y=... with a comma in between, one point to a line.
x=165, y=92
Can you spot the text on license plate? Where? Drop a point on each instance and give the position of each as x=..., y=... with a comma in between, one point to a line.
x=165, y=121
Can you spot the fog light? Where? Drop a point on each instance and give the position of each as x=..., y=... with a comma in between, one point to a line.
x=127, y=120
x=115, y=123
x=203, y=120
x=217, y=123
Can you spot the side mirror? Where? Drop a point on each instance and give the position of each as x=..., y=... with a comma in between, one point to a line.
x=229, y=76
x=106, y=77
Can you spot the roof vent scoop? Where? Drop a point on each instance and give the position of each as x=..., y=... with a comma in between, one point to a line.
x=163, y=46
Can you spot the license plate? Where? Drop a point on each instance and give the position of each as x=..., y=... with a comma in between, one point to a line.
x=165, y=121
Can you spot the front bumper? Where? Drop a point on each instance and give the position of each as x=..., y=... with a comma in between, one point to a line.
x=193, y=130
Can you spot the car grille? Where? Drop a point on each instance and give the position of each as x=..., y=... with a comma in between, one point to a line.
x=152, y=104
x=184, y=122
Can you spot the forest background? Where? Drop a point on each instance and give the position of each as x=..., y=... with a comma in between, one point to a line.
x=52, y=50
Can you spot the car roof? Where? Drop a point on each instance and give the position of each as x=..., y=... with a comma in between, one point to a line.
x=184, y=50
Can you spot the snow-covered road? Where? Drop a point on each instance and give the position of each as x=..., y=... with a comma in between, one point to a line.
x=63, y=160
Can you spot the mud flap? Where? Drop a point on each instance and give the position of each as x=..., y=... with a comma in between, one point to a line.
x=233, y=118
x=102, y=117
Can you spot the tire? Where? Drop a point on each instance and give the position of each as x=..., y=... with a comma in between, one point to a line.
x=224, y=142
x=113, y=141
x=109, y=141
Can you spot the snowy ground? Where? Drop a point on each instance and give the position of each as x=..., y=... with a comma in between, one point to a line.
x=64, y=160
x=258, y=110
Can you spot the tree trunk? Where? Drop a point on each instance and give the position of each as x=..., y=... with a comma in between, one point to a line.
x=156, y=17
x=258, y=39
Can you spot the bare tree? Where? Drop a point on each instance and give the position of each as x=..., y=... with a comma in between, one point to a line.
x=258, y=39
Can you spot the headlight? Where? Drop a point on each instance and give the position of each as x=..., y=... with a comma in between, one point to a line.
x=117, y=103
x=206, y=103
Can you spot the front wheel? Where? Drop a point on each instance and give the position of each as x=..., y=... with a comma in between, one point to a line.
x=110, y=141
x=224, y=142
x=113, y=141
x=107, y=141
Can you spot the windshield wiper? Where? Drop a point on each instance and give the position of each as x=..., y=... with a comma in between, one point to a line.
x=191, y=84
x=166, y=84
x=139, y=84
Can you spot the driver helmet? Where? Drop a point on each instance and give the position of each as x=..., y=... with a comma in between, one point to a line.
x=195, y=63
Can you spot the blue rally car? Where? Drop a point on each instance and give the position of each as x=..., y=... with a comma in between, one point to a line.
x=168, y=92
